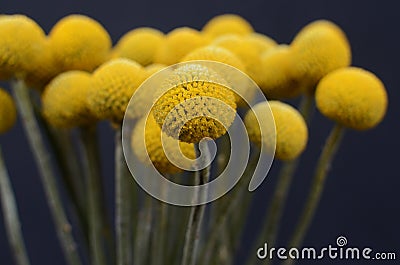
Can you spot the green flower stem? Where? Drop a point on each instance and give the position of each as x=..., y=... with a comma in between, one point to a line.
x=95, y=195
x=274, y=214
x=317, y=186
x=143, y=231
x=43, y=160
x=123, y=202
x=11, y=218
x=193, y=232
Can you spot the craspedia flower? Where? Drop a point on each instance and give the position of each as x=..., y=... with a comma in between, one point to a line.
x=227, y=24
x=139, y=45
x=20, y=44
x=291, y=129
x=260, y=42
x=154, y=146
x=279, y=80
x=154, y=68
x=65, y=100
x=79, y=43
x=8, y=112
x=114, y=83
x=178, y=43
x=320, y=48
x=203, y=94
x=353, y=97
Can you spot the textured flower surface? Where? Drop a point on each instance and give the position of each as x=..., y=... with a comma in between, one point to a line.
x=79, y=43
x=352, y=97
x=8, y=112
x=260, y=42
x=227, y=24
x=320, y=48
x=291, y=129
x=114, y=83
x=65, y=100
x=139, y=45
x=20, y=44
x=155, y=146
x=178, y=43
x=193, y=105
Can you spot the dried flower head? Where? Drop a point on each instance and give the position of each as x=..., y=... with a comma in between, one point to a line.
x=352, y=97
x=178, y=43
x=291, y=129
x=227, y=24
x=156, y=148
x=79, y=43
x=195, y=94
x=8, y=112
x=320, y=48
x=65, y=100
x=114, y=83
x=20, y=44
x=139, y=45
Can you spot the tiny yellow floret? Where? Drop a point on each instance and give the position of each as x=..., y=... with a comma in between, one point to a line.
x=139, y=45
x=79, y=43
x=227, y=24
x=353, y=97
x=8, y=112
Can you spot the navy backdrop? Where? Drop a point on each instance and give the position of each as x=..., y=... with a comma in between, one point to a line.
x=361, y=199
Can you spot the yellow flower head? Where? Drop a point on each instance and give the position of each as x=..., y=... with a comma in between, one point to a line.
x=246, y=51
x=79, y=43
x=65, y=100
x=20, y=44
x=291, y=129
x=279, y=79
x=352, y=97
x=178, y=43
x=260, y=42
x=206, y=93
x=227, y=24
x=8, y=112
x=114, y=83
x=154, y=68
x=154, y=146
x=139, y=45
x=320, y=48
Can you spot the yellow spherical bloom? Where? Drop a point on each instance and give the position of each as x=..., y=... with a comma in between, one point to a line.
x=154, y=68
x=65, y=100
x=227, y=24
x=114, y=83
x=79, y=43
x=246, y=51
x=8, y=112
x=320, y=48
x=154, y=147
x=279, y=79
x=352, y=97
x=178, y=43
x=139, y=45
x=291, y=129
x=205, y=95
x=260, y=42
x=20, y=44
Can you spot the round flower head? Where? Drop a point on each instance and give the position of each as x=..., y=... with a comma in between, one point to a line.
x=320, y=48
x=114, y=83
x=352, y=97
x=154, y=146
x=79, y=43
x=153, y=68
x=139, y=45
x=8, y=112
x=195, y=94
x=291, y=129
x=177, y=44
x=260, y=42
x=20, y=44
x=65, y=100
x=227, y=24
x=279, y=79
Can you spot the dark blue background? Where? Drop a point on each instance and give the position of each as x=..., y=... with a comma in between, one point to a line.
x=361, y=199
